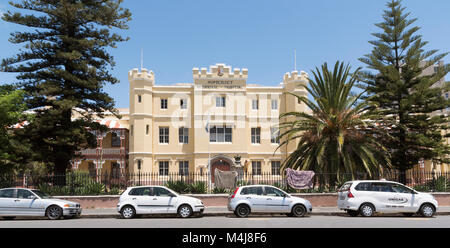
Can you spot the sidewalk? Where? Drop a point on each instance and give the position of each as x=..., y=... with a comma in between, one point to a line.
x=223, y=211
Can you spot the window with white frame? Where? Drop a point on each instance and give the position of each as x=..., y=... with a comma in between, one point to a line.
x=183, y=103
x=256, y=135
x=163, y=168
x=220, y=134
x=256, y=168
x=276, y=166
x=274, y=133
x=183, y=135
x=274, y=104
x=220, y=101
x=164, y=135
x=255, y=104
x=184, y=168
x=163, y=103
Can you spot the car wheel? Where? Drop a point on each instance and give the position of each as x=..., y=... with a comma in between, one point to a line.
x=427, y=210
x=184, y=211
x=54, y=212
x=299, y=211
x=352, y=213
x=128, y=212
x=366, y=210
x=242, y=211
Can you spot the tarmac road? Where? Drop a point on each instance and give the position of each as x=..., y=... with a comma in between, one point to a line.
x=439, y=221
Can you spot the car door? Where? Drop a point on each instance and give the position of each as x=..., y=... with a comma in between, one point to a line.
x=255, y=196
x=27, y=203
x=275, y=200
x=380, y=195
x=141, y=197
x=7, y=202
x=163, y=201
x=405, y=198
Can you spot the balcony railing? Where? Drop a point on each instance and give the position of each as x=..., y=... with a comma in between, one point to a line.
x=103, y=151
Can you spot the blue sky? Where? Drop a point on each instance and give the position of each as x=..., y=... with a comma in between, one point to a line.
x=260, y=35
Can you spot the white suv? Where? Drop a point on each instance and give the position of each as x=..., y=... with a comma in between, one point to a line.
x=266, y=199
x=368, y=197
x=157, y=200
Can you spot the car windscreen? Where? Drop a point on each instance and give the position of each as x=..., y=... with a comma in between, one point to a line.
x=41, y=194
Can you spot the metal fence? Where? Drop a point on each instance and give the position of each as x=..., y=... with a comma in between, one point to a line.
x=82, y=183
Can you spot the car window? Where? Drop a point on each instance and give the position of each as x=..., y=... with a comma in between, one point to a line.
x=270, y=191
x=345, y=187
x=146, y=191
x=381, y=187
x=158, y=191
x=401, y=189
x=7, y=193
x=363, y=187
x=24, y=194
x=252, y=191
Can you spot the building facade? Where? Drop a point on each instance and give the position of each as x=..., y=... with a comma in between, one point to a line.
x=110, y=156
x=180, y=128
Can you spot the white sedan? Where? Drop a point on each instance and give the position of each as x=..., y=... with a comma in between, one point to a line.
x=29, y=202
x=157, y=200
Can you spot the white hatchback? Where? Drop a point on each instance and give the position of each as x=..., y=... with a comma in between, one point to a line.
x=370, y=196
x=266, y=199
x=157, y=200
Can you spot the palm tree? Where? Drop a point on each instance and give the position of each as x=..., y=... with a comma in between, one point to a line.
x=337, y=137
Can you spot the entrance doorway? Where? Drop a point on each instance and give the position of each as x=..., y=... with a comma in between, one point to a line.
x=220, y=163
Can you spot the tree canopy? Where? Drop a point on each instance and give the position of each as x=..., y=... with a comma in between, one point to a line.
x=62, y=71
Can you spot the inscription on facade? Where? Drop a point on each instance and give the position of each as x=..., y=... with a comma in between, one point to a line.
x=220, y=84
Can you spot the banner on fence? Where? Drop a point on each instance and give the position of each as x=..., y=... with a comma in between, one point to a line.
x=299, y=179
x=225, y=179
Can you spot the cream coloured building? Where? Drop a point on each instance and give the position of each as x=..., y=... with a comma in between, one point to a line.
x=179, y=128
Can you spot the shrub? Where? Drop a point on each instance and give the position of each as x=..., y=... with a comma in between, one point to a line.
x=220, y=191
x=197, y=188
x=178, y=186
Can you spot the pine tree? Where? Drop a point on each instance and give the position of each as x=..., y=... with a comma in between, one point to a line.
x=63, y=70
x=408, y=101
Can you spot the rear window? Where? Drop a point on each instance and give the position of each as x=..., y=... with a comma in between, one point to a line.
x=6, y=193
x=363, y=187
x=252, y=191
x=345, y=187
x=140, y=191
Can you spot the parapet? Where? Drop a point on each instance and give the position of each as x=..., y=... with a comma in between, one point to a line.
x=220, y=71
x=294, y=76
x=143, y=75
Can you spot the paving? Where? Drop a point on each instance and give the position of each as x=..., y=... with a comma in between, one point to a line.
x=223, y=211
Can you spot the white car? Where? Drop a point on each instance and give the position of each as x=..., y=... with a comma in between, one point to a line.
x=30, y=202
x=266, y=199
x=157, y=200
x=368, y=197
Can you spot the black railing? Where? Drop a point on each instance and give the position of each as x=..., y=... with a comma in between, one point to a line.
x=82, y=183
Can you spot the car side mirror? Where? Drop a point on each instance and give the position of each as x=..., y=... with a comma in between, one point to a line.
x=172, y=195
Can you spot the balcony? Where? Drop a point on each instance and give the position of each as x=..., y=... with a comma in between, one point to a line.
x=105, y=153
